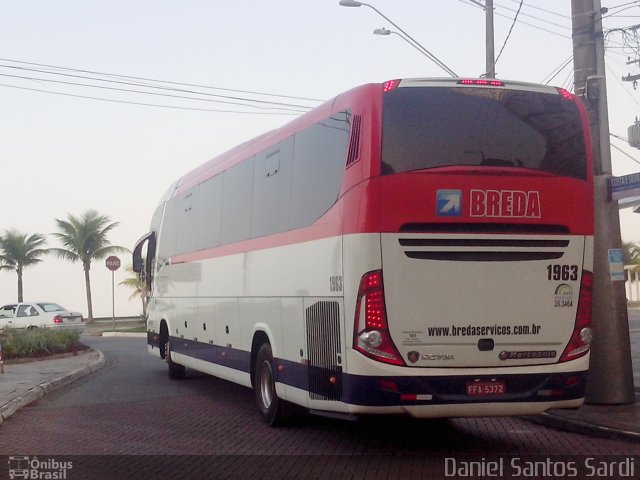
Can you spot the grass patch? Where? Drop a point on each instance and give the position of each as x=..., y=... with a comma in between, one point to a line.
x=142, y=329
x=38, y=342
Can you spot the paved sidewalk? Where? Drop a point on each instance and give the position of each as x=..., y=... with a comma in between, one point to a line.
x=23, y=383
x=620, y=421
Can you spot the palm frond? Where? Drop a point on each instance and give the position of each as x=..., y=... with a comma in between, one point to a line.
x=18, y=250
x=63, y=254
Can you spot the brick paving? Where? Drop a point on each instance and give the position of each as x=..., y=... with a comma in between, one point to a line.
x=131, y=408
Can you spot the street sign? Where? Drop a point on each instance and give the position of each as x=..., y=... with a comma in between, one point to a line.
x=625, y=187
x=112, y=263
x=616, y=265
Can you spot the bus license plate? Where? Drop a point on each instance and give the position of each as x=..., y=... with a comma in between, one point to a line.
x=486, y=388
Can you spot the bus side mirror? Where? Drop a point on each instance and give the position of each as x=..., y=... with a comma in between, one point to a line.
x=138, y=262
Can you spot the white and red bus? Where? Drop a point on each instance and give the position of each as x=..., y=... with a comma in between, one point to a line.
x=421, y=247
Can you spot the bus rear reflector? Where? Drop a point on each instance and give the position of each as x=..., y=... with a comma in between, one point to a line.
x=371, y=331
x=581, y=337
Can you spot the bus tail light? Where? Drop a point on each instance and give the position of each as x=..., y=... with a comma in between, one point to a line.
x=371, y=332
x=483, y=82
x=390, y=85
x=565, y=93
x=581, y=337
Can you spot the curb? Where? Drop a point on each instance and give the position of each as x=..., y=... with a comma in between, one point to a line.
x=124, y=334
x=46, y=388
x=583, y=427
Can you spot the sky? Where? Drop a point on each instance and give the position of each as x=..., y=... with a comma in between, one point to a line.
x=61, y=153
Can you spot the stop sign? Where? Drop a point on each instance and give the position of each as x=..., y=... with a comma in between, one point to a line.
x=112, y=263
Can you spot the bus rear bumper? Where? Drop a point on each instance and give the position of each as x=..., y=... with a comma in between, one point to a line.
x=459, y=396
x=492, y=409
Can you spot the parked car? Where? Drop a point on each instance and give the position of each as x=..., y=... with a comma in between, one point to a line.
x=40, y=315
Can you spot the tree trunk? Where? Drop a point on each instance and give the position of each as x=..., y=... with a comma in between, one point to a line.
x=144, y=305
x=20, y=292
x=87, y=282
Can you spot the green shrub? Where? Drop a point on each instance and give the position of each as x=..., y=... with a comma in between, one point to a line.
x=38, y=342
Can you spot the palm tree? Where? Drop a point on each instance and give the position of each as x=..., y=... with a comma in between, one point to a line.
x=630, y=256
x=85, y=239
x=19, y=250
x=138, y=285
x=631, y=253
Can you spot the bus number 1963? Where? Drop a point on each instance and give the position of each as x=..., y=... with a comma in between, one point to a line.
x=335, y=283
x=562, y=272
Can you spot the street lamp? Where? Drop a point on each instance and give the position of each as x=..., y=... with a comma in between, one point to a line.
x=409, y=38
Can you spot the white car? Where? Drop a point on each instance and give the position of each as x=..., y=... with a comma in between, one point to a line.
x=40, y=314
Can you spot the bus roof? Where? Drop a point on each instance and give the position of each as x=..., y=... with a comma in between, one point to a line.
x=251, y=147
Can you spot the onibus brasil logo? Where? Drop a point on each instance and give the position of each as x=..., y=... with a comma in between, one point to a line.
x=33, y=468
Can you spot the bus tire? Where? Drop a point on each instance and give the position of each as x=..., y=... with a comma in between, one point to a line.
x=176, y=372
x=264, y=388
x=164, y=340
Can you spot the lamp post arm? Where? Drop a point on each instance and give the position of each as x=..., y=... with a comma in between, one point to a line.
x=417, y=48
x=414, y=42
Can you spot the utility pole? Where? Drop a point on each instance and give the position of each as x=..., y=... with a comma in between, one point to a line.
x=610, y=372
x=490, y=54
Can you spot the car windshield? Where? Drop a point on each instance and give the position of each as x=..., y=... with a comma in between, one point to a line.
x=51, y=307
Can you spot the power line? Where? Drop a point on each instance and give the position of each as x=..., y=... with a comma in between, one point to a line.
x=557, y=71
x=511, y=18
x=535, y=26
x=568, y=81
x=515, y=19
x=93, y=72
x=617, y=77
x=141, y=92
x=545, y=10
x=620, y=150
x=143, y=104
x=624, y=6
x=531, y=16
x=120, y=82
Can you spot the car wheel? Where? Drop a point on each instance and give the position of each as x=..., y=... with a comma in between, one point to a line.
x=269, y=405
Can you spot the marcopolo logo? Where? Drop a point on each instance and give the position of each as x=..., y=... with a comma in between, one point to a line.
x=28, y=468
x=504, y=203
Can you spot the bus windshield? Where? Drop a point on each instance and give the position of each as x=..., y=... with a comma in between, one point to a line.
x=431, y=127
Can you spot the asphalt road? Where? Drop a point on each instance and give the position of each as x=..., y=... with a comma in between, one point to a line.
x=132, y=408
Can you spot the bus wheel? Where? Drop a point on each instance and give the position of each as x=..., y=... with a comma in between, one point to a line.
x=269, y=405
x=164, y=339
x=176, y=372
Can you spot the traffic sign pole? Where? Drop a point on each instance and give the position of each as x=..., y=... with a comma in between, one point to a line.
x=113, y=264
x=113, y=299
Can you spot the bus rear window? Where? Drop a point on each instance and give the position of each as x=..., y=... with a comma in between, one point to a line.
x=431, y=127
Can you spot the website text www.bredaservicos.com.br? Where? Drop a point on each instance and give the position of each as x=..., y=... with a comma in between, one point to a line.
x=485, y=330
